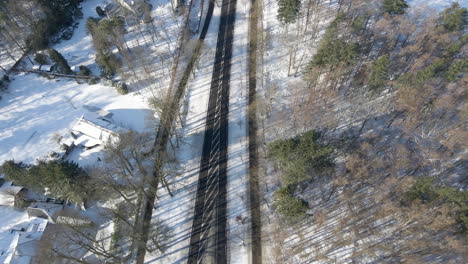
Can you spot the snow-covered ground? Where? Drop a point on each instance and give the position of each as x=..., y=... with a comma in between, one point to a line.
x=35, y=109
x=436, y=4
x=177, y=212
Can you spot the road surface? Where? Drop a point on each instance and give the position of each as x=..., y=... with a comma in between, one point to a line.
x=208, y=237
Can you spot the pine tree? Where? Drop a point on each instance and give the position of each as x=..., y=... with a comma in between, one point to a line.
x=56, y=57
x=379, y=72
x=395, y=7
x=288, y=11
x=454, y=18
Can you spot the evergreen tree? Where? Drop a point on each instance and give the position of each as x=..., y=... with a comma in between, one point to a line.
x=62, y=179
x=40, y=58
x=15, y=171
x=288, y=10
x=379, y=72
x=56, y=57
x=454, y=18
x=395, y=7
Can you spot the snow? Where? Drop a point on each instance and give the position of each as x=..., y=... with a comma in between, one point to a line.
x=177, y=212
x=35, y=109
x=436, y=4
x=79, y=49
x=238, y=156
x=9, y=219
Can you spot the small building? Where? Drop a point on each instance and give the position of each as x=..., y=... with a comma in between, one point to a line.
x=26, y=242
x=44, y=210
x=11, y=195
x=94, y=130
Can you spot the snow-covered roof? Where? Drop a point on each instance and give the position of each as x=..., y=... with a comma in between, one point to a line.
x=25, y=243
x=8, y=193
x=96, y=128
x=41, y=209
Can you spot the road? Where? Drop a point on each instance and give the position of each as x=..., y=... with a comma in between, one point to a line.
x=209, y=223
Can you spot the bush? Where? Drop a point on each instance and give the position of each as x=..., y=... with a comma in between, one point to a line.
x=84, y=70
x=291, y=208
x=299, y=157
x=56, y=57
x=121, y=88
x=93, y=81
x=40, y=58
x=457, y=69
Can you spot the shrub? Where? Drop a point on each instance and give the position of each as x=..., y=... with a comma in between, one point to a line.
x=84, y=70
x=299, y=157
x=121, y=87
x=40, y=58
x=93, y=81
x=359, y=23
x=56, y=57
x=289, y=207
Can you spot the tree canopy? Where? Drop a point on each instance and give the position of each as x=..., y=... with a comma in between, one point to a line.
x=394, y=7
x=63, y=179
x=288, y=10
x=455, y=17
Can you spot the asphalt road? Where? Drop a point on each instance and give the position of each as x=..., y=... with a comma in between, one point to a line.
x=209, y=223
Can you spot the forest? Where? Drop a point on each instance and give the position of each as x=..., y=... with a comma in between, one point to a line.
x=366, y=158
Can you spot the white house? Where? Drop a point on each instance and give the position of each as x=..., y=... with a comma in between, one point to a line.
x=25, y=243
x=95, y=129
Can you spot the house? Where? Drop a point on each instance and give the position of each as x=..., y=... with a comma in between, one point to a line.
x=11, y=195
x=44, y=210
x=24, y=246
x=95, y=129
